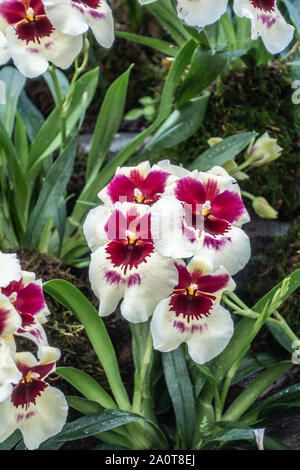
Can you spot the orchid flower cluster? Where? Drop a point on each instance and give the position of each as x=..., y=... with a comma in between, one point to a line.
x=34, y=32
x=27, y=402
x=266, y=20
x=151, y=221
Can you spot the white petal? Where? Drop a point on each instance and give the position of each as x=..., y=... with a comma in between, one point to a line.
x=233, y=251
x=4, y=51
x=102, y=24
x=66, y=16
x=9, y=373
x=201, y=12
x=61, y=49
x=211, y=340
x=167, y=219
x=166, y=337
x=10, y=319
x=106, y=281
x=94, y=224
x=174, y=170
x=38, y=422
x=150, y=283
x=10, y=269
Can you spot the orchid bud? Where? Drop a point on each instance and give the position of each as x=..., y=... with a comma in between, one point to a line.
x=265, y=150
x=263, y=208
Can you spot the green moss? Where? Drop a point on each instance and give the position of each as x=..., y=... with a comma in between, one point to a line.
x=257, y=99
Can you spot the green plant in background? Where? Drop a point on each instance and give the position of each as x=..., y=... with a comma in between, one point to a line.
x=147, y=111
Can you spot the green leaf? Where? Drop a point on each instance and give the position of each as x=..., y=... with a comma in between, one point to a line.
x=165, y=14
x=52, y=190
x=180, y=125
x=14, y=84
x=206, y=66
x=253, y=363
x=181, y=393
x=49, y=136
x=108, y=123
x=71, y=298
x=86, y=385
x=243, y=402
x=32, y=118
x=11, y=441
x=64, y=84
x=87, y=407
x=165, y=47
x=221, y=153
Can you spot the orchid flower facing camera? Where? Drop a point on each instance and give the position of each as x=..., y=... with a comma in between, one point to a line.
x=193, y=314
x=201, y=214
x=127, y=266
x=267, y=22
x=140, y=185
x=201, y=12
x=33, y=41
x=74, y=17
x=23, y=309
x=38, y=410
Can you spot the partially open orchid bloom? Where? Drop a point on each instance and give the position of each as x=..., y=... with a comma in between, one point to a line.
x=38, y=410
x=76, y=16
x=202, y=214
x=263, y=208
x=23, y=309
x=140, y=185
x=264, y=151
x=10, y=268
x=128, y=267
x=267, y=22
x=193, y=314
x=201, y=12
x=9, y=374
x=32, y=39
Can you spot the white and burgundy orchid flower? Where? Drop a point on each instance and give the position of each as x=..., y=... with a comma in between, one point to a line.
x=193, y=314
x=23, y=309
x=140, y=184
x=33, y=41
x=267, y=22
x=37, y=409
x=202, y=214
x=201, y=12
x=128, y=267
x=76, y=16
x=10, y=268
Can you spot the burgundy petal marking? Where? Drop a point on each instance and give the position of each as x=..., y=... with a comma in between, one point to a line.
x=154, y=185
x=12, y=11
x=121, y=189
x=228, y=206
x=211, y=189
x=88, y=3
x=212, y=284
x=184, y=277
x=34, y=30
x=216, y=243
x=191, y=306
x=4, y=315
x=265, y=5
x=43, y=369
x=190, y=191
x=113, y=277
x=30, y=300
x=14, y=286
x=116, y=226
x=26, y=393
x=128, y=255
x=215, y=226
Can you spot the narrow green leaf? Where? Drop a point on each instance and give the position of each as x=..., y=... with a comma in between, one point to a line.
x=11, y=441
x=165, y=47
x=108, y=123
x=14, y=83
x=32, y=118
x=64, y=84
x=165, y=14
x=221, y=153
x=52, y=190
x=181, y=393
x=87, y=407
x=86, y=385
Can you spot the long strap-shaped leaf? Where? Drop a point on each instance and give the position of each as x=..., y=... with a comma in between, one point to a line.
x=69, y=296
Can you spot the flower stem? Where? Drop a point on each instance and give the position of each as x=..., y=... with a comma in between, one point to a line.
x=141, y=382
x=60, y=103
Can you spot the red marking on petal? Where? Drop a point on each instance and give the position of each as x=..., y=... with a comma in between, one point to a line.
x=88, y=3
x=30, y=300
x=12, y=11
x=43, y=369
x=4, y=315
x=121, y=188
x=184, y=277
x=215, y=226
x=113, y=278
x=191, y=306
x=265, y=5
x=35, y=30
x=154, y=185
x=26, y=393
x=212, y=283
x=14, y=286
x=116, y=226
x=215, y=243
x=190, y=191
x=133, y=280
x=211, y=189
x=228, y=206
x=37, y=6
x=128, y=255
